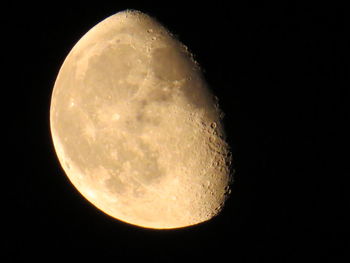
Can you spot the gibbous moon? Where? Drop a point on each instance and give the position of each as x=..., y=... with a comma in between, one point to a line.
x=136, y=128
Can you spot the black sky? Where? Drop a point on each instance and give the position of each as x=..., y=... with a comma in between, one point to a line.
x=281, y=73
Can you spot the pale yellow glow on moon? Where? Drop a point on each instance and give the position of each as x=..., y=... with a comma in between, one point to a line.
x=135, y=127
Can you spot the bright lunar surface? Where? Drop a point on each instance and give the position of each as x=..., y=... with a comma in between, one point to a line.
x=136, y=128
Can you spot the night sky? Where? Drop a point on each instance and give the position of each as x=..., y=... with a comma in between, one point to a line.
x=281, y=73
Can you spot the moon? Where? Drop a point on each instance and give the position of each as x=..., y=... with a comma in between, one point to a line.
x=137, y=129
